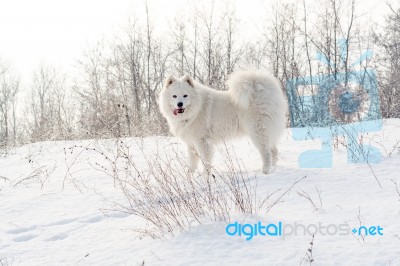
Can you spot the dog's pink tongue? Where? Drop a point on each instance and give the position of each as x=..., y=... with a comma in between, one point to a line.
x=176, y=111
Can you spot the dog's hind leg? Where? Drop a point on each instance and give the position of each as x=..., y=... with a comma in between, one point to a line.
x=267, y=159
x=274, y=151
x=265, y=152
x=193, y=158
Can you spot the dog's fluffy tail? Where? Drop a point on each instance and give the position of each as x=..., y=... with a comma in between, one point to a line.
x=241, y=88
x=243, y=84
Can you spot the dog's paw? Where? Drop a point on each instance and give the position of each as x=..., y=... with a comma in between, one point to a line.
x=191, y=170
x=266, y=169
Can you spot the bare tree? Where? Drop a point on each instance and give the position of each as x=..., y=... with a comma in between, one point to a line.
x=180, y=45
x=51, y=115
x=389, y=64
x=211, y=71
x=115, y=92
x=9, y=86
x=230, y=21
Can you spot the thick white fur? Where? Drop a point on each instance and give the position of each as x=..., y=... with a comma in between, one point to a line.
x=254, y=105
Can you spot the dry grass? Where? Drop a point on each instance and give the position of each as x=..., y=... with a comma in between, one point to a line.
x=160, y=189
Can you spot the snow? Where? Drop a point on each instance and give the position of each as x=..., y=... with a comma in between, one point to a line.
x=65, y=213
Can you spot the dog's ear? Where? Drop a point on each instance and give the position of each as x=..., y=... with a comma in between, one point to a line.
x=171, y=79
x=188, y=79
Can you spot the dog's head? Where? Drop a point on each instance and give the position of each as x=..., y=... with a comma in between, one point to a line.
x=177, y=95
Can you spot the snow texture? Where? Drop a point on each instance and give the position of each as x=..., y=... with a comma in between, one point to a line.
x=44, y=223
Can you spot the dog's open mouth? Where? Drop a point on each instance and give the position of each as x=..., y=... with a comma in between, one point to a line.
x=179, y=111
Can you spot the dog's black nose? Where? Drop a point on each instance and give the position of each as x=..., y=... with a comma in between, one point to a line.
x=180, y=104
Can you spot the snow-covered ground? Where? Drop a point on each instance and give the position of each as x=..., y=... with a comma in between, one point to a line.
x=57, y=208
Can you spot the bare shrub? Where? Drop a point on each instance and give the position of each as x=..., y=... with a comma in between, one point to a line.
x=39, y=175
x=316, y=205
x=308, y=257
x=159, y=188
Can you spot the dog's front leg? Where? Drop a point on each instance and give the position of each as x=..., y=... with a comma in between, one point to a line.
x=193, y=158
x=205, y=150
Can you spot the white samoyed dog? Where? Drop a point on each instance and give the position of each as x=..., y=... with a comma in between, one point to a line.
x=253, y=105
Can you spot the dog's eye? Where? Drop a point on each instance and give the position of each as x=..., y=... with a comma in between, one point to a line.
x=184, y=96
x=174, y=96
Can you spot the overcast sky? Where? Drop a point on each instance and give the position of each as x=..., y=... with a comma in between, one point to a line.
x=57, y=31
